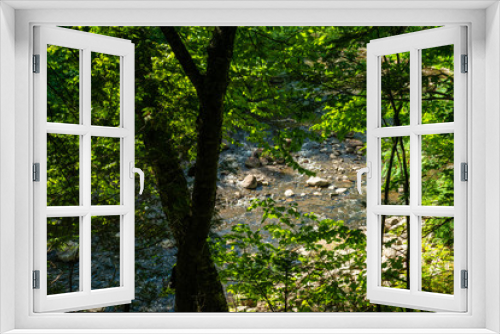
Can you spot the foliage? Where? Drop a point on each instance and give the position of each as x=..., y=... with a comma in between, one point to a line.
x=294, y=262
x=286, y=83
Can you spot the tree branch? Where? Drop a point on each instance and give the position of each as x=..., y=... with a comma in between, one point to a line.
x=183, y=56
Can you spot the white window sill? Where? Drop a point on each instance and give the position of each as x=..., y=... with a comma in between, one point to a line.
x=251, y=331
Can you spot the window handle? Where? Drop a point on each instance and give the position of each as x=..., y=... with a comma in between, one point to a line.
x=134, y=170
x=368, y=171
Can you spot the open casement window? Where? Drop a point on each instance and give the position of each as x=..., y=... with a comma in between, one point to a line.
x=416, y=135
x=84, y=165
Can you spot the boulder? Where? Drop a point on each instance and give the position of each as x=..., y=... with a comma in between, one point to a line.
x=253, y=162
x=317, y=182
x=339, y=191
x=289, y=193
x=249, y=182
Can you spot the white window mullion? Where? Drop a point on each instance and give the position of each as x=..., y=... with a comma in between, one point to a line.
x=415, y=162
x=373, y=197
x=85, y=163
x=127, y=254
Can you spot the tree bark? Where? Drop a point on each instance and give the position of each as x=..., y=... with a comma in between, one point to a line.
x=198, y=287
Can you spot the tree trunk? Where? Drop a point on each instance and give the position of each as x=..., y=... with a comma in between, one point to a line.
x=197, y=283
x=198, y=287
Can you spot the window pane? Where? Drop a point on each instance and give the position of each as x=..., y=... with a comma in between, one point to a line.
x=395, y=171
x=105, y=171
x=63, y=250
x=395, y=252
x=438, y=169
x=63, y=170
x=437, y=84
x=437, y=254
x=105, y=89
x=395, y=95
x=105, y=252
x=63, y=85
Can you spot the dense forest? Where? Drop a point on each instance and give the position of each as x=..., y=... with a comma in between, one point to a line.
x=250, y=138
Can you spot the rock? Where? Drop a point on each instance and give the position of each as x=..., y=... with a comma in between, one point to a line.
x=280, y=161
x=317, y=193
x=302, y=194
x=317, y=182
x=249, y=182
x=264, y=161
x=335, y=141
x=345, y=177
x=248, y=302
x=265, y=183
x=350, y=134
x=289, y=193
x=356, y=142
x=257, y=153
x=306, y=161
x=391, y=221
x=334, y=154
x=332, y=195
x=167, y=244
x=389, y=253
x=69, y=252
x=238, y=195
x=340, y=191
x=253, y=162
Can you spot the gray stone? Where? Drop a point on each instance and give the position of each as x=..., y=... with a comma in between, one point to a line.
x=69, y=252
x=356, y=142
x=253, y=162
x=249, y=182
x=340, y=190
x=317, y=182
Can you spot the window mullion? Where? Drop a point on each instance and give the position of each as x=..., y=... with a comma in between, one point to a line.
x=86, y=170
x=415, y=200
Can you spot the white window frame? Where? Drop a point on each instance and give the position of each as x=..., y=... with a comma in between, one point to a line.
x=86, y=43
x=413, y=43
x=483, y=126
